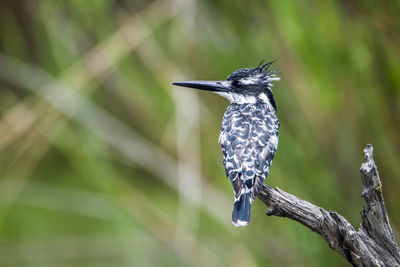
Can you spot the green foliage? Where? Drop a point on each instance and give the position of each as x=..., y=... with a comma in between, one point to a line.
x=104, y=163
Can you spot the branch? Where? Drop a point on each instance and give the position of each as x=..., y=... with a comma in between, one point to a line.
x=372, y=245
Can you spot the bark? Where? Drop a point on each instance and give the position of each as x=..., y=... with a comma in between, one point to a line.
x=372, y=245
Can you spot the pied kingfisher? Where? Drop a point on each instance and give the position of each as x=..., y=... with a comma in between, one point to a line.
x=249, y=132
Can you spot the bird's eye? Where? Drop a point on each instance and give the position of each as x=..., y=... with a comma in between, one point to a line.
x=236, y=83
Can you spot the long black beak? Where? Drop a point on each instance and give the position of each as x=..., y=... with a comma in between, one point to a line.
x=214, y=86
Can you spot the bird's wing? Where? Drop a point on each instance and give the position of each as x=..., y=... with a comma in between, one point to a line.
x=265, y=160
x=231, y=148
x=265, y=139
x=234, y=134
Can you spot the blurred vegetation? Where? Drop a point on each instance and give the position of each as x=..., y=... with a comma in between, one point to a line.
x=104, y=163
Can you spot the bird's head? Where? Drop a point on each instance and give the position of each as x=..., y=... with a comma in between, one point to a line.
x=246, y=85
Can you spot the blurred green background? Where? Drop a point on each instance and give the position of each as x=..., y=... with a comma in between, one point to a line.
x=104, y=163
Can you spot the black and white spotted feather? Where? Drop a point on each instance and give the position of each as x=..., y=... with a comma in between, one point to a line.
x=249, y=132
x=249, y=139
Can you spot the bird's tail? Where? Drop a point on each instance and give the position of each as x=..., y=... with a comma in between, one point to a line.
x=241, y=210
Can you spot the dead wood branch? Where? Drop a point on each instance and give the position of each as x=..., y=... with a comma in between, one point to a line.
x=372, y=245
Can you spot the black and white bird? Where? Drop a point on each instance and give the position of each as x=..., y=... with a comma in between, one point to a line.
x=249, y=132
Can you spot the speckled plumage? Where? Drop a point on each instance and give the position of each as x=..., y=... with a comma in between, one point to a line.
x=249, y=139
x=249, y=132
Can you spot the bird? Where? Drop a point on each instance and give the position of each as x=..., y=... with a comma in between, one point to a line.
x=249, y=131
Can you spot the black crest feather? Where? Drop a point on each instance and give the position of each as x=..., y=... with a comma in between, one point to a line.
x=264, y=67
